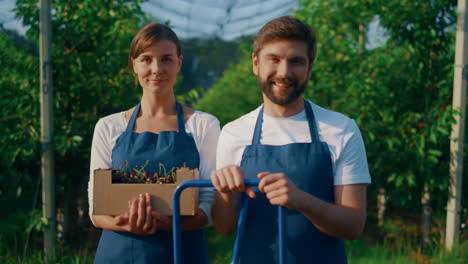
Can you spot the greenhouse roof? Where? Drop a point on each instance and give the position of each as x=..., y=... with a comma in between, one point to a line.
x=226, y=19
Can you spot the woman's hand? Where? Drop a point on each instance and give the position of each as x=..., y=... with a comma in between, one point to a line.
x=140, y=218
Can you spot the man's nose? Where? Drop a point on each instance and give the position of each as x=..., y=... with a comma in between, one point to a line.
x=284, y=69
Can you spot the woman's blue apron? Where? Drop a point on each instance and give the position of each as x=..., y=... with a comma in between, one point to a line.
x=173, y=149
x=309, y=167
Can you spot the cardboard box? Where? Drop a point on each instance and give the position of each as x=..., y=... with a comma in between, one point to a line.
x=112, y=198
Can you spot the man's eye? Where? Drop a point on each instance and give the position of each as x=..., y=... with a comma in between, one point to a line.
x=297, y=61
x=147, y=60
x=167, y=59
x=274, y=60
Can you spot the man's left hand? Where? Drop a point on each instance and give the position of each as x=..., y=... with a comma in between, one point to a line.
x=279, y=189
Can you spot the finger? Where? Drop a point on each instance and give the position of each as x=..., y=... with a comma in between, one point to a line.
x=154, y=226
x=148, y=220
x=149, y=217
x=133, y=213
x=261, y=175
x=266, y=180
x=238, y=177
x=276, y=193
x=250, y=192
x=141, y=212
x=238, y=183
x=221, y=180
x=215, y=181
x=229, y=175
x=278, y=201
x=275, y=183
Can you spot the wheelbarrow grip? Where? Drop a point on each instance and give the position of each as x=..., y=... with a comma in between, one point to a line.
x=241, y=221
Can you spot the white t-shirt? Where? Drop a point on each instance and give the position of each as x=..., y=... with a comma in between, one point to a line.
x=203, y=127
x=341, y=133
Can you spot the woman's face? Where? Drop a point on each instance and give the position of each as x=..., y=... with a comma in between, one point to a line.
x=157, y=67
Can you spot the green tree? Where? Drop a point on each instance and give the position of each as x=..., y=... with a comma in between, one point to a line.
x=90, y=43
x=235, y=93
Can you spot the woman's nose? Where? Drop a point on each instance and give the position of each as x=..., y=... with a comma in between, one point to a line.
x=156, y=67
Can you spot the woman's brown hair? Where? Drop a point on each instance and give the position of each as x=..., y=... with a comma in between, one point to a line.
x=149, y=35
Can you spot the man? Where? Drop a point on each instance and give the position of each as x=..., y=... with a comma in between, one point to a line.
x=309, y=159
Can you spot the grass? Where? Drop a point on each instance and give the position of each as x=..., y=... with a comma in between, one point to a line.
x=359, y=252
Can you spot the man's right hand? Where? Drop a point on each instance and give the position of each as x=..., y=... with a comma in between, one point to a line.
x=229, y=180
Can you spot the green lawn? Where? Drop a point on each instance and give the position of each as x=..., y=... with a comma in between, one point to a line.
x=358, y=253
x=220, y=247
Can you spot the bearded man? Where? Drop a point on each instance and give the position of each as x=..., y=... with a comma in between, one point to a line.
x=310, y=160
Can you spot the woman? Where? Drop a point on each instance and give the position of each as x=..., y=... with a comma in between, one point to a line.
x=160, y=130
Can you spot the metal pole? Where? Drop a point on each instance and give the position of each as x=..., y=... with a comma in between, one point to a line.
x=458, y=129
x=47, y=124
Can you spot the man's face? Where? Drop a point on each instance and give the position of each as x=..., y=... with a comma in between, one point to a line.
x=282, y=68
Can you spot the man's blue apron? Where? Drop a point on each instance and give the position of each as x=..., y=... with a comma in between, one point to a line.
x=173, y=149
x=309, y=167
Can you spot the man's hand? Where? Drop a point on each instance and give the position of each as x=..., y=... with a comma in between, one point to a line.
x=229, y=180
x=279, y=189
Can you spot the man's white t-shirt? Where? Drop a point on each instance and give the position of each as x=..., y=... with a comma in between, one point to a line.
x=203, y=127
x=341, y=133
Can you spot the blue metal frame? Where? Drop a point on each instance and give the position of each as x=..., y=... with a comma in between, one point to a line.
x=240, y=225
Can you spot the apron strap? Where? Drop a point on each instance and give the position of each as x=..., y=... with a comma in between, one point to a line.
x=180, y=118
x=131, y=122
x=314, y=135
x=258, y=128
x=309, y=115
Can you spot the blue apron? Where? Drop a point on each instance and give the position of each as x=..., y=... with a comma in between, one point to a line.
x=309, y=167
x=172, y=149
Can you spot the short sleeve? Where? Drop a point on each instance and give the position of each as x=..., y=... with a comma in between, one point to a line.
x=351, y=165
x=207, y=142
x=101, y=152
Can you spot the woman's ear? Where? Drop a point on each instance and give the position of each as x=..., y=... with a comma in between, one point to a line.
x=179, y=63
x=133, y=66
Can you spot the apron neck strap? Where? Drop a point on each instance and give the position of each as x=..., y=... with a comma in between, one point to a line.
x=309, y=115
x=180, y=118
x=179, y=114
x=131, y=122
x=314, y=135
x=258, y=128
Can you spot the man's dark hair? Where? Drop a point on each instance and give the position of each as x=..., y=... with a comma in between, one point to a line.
x=287, y=28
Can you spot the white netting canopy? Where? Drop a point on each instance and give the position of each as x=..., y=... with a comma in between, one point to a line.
x=226, y=19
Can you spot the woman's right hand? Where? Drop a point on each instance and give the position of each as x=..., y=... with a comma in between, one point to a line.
x=140, y=218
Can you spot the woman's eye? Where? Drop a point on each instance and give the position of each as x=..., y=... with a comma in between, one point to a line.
x=166, y=60
x=147, y=60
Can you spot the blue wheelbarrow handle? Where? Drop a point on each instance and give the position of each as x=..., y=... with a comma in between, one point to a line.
x=240, y=225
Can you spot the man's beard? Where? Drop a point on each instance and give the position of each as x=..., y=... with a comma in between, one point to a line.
x=293, y=92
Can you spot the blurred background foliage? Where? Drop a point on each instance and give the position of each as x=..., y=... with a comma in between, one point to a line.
x=399, y=94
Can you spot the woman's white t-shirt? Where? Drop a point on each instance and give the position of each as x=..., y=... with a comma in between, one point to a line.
x=203, y=127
